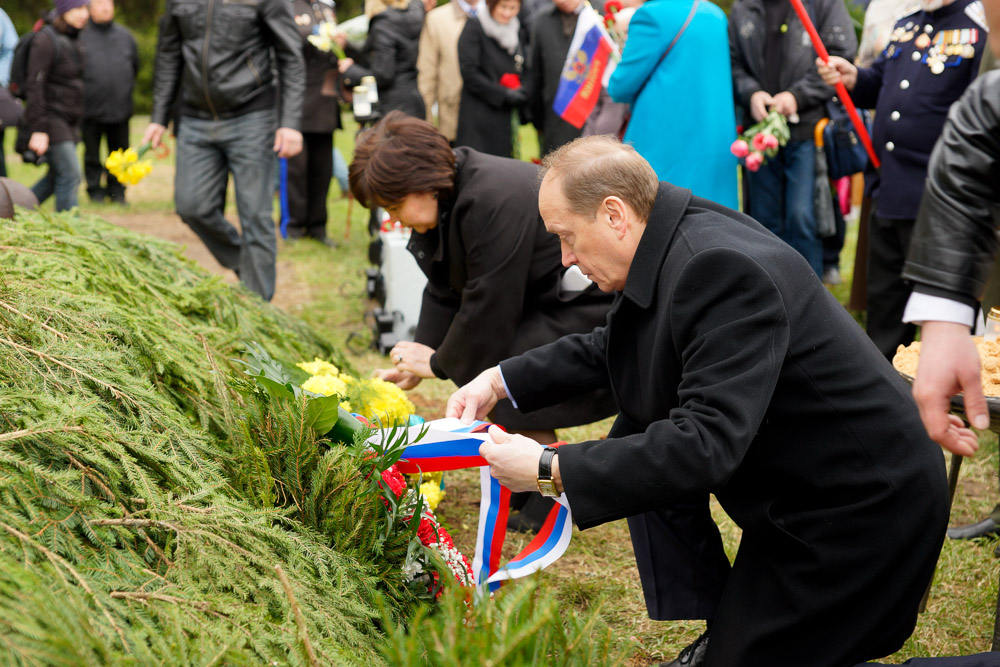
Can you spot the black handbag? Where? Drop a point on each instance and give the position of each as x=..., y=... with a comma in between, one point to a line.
x=845, y=154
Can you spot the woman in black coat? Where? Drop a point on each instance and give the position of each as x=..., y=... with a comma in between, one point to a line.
x=390, y=54
x=496, y=285
x=491, y=59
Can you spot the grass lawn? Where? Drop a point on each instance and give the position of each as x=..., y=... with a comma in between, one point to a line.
x=598, y=568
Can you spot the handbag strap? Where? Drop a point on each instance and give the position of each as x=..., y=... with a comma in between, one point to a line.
x=687, y=22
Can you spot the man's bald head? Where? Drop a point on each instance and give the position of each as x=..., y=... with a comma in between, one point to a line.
x=590, y=169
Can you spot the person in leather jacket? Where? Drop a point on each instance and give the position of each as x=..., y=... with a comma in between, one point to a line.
x=953, y=248
x=219, y=54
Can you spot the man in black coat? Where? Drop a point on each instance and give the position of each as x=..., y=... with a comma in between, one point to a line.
x=108, y=80
x=735, y=373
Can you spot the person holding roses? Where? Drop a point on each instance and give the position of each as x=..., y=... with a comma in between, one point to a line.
x=491, y=59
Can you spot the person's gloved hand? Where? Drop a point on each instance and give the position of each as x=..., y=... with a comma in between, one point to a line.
x=516, y=97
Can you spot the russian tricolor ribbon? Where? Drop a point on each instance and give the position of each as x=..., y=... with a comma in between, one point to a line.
x=448, y=444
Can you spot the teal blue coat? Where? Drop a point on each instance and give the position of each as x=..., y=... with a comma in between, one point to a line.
x=683, y=121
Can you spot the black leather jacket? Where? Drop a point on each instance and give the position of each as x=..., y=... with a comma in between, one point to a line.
x=219, y=54
x=955, y=238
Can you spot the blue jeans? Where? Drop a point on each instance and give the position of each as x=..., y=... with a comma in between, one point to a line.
x=781, y=199
x=207, y=152
x=62, y=177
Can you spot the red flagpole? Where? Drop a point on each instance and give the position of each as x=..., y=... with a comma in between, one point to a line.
x=841, y=90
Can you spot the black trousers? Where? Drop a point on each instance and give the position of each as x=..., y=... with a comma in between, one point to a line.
x=93, y=165
x=888, y=241
x=682, y=564
x=309, y=175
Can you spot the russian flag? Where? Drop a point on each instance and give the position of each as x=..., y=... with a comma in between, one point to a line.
x=591, y=59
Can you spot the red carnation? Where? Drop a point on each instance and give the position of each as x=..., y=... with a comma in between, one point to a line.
x=612, y=6
x=609, y=20
x=427, y=532
x=511, y=80
x=395, y=480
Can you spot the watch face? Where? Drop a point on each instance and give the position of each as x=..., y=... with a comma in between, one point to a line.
x=547, y=487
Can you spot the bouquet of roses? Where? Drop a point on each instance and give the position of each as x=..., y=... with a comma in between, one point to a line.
x=761, y=141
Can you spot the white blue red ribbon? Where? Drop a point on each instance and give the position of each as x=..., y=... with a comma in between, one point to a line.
x=449, y=444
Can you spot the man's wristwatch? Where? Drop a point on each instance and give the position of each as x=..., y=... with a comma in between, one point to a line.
x=546, y=485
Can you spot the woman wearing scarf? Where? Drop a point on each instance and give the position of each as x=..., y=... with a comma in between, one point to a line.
x=491, y=59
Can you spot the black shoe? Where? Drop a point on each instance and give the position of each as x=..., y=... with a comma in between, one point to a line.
x=693, y=655
x=984, y=528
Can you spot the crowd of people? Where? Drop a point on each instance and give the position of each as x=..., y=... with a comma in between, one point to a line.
x=620, y=277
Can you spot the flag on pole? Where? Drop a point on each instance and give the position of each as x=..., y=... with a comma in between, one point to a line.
x=591, y=59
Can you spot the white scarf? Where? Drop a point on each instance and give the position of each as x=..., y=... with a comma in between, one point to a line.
x=504, y=35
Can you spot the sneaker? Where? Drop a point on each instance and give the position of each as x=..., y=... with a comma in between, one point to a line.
x=831, y=276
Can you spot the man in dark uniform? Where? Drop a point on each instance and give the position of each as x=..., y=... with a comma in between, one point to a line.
x=932, y=57
x=735, y=373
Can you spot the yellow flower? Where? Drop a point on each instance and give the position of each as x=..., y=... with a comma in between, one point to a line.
x=433, y=493
x=124, y=165
x=318, y=367
x=327, y=385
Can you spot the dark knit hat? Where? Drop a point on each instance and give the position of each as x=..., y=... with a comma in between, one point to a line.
x=63, y=6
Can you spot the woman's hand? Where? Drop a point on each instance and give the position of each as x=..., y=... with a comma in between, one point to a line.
x=405, y=380
x=413, y=358
x=344, y=64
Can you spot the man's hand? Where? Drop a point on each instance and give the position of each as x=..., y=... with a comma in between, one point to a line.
x=839, y=69
x=405, y=380
x=287, y=142
x=344, y=64
x=759, y=102
x=785, y=104
x=513, y=459
x=39, y=142
x=949, y=363
x=413, y=358
x=477, y=398
x=153, y=135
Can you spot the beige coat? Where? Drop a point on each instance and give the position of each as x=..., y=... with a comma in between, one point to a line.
x=438, y=76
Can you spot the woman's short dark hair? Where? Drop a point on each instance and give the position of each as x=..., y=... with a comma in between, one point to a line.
x=492, y=4
x=400, y=155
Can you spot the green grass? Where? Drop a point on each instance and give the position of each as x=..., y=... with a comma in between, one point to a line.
x=599, y=564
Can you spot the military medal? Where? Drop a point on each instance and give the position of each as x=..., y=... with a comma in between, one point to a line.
x=936, y=66
x=968, y=51
x=922, y=42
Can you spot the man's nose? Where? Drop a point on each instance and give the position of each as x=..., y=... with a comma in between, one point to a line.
x=568, y=258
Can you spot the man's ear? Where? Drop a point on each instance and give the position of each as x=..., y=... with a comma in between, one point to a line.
x=617, y=215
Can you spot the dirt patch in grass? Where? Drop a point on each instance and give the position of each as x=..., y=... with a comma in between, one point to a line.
x=289, y=290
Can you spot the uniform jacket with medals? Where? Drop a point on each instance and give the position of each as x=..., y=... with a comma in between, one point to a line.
x=929, y=62
x=737, y=373
x=493, y=287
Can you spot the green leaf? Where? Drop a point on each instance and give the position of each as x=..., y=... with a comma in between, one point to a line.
x=323, y=413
